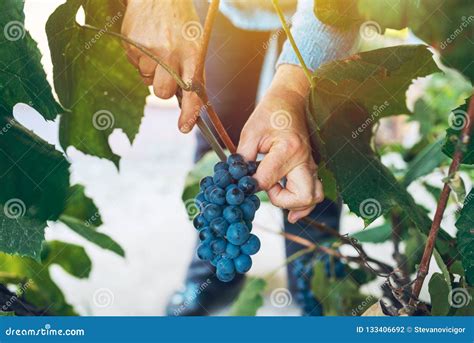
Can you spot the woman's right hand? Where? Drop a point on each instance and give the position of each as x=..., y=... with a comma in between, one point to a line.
x=171, y=30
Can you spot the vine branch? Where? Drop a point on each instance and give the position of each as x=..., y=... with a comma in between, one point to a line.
x=443, y=200
x=288, y=33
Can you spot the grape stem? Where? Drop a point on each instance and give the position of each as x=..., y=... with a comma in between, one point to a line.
x=363, y=260
x=288, y=33
x=290, y=259
x=197, y=84
x=443, y=200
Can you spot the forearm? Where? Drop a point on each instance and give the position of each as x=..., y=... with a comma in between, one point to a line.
x=317, y=42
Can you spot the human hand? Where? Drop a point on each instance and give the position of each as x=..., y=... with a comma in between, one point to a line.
x=277, y=128
x=171, y=30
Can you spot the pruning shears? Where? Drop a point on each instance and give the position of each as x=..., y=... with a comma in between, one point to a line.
x=207, y=133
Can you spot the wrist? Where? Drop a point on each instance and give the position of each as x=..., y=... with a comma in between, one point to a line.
x=290, y=78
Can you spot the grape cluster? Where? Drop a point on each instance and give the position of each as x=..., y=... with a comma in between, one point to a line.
x=303, y=272
x=227, y=206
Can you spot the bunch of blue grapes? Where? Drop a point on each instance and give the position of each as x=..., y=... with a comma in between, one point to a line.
x=227, y=204
x=303, y=272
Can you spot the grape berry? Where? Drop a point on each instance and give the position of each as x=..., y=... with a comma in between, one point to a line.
x=303, y=273
x=227, y=205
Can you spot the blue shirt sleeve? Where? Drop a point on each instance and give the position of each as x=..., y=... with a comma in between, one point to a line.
x=317, y=42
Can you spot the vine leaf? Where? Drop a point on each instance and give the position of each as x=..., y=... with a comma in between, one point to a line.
x=22, y=78
x=332, y=293
x=80, y=206
x=33, y=188
x=349, y=97
x=83, y=217
x=40, y=289
x=465, y=237
x=439, y=293
x=378, y=234
x=447, y=25
x=458, y=120
x=429, y=158
x=250, y=298
x=95, y=83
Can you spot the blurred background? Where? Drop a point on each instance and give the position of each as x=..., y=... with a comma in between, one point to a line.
x=142, y=210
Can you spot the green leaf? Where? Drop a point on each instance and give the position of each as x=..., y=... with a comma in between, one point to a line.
x=72, y=258
x=83, y=217
x=329, y=183
x=414, y=246
x=434, y=191
x=338, y=297
x=425, y=162
x=203, y=168
x=348, y=98
x=40, y=290
x=33, y=188
x=99, y=88
x=361, y=276
x=90, y=233
x=80, y=206
x=22, y=78
x=458, y=120
x=465, y=237
x=22, y=236
x=329, y=12
x=456, y=268
x=443, y=267
x=439, y=292
x=7, y=314
x=250, y=298
x=447, y=25
x=378, y=234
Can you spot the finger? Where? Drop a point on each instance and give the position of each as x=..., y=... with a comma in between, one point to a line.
x=147, y=67
x=272, y=168
x=164, y=85
x=295, y=215
x=191, y=105
x=299, y=191
x=190, y=111
x=148, y=81
x=133, y=55
x=248, y=145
